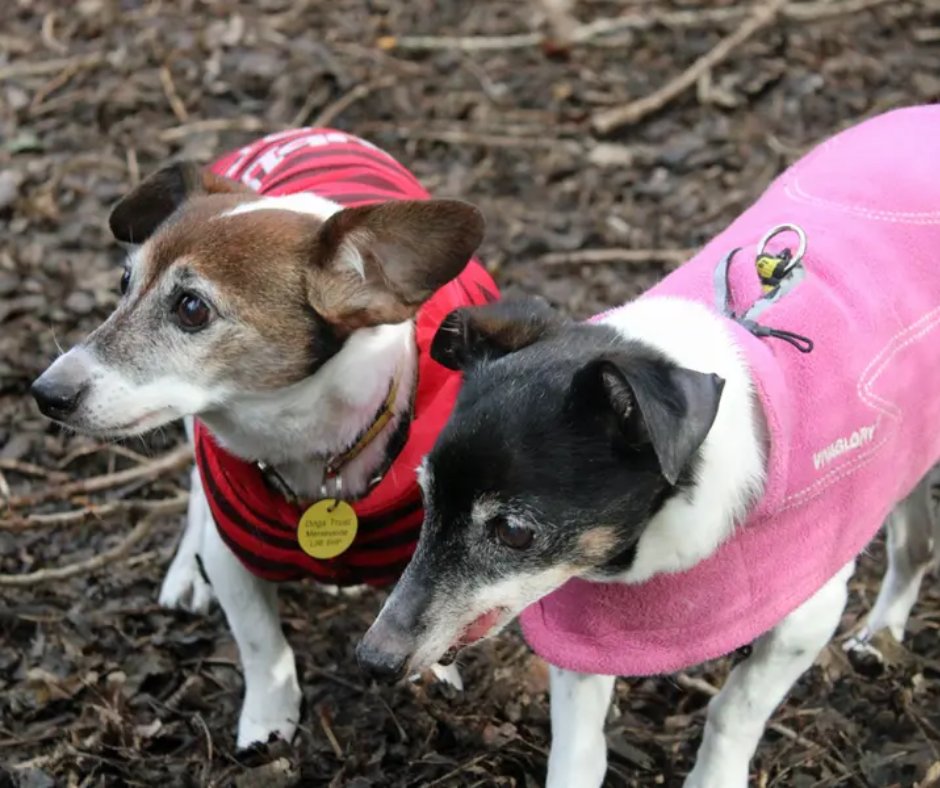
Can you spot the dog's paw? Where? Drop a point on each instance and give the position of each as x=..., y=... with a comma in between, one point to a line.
x=872, y=653
x=448, y=674
x=350, y=592
x=255, y=734
x=865, y=658
x=185, y=588
x=270, y=719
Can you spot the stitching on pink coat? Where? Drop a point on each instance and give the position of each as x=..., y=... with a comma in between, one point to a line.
x=884, y=407
x=795, y=191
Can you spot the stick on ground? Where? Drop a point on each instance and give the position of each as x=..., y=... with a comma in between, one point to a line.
x=82, y=567
x=173, y=461
x=611, y=119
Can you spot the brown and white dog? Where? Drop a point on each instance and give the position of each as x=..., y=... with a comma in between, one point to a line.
x=277, y=297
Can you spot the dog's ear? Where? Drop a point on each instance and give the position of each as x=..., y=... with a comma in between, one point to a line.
x=475, y=333
x=669, y=407
x=379, y=263
x=135, y=218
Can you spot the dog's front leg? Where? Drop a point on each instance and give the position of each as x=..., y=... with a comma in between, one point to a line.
x=579, y=749
x=184, y=585
x=738, y=714
x=272, y=693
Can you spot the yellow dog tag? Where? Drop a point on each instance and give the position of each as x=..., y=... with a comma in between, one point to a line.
x=327, y=529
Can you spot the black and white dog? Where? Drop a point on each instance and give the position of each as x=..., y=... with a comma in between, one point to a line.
x=696, y=470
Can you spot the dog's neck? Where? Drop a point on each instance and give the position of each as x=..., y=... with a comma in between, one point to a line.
x=730, y=477
x=299, y=429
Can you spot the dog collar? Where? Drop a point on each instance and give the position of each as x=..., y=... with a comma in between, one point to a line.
x=337, y=462
x=382, y=418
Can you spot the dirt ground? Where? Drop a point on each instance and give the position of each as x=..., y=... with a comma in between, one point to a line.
x=98, y=684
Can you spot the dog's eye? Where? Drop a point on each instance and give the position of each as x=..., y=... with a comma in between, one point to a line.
x=125, y=280
x=518, y=537
x=192, y=312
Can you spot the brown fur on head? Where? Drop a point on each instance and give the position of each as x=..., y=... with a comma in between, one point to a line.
x=278, y=284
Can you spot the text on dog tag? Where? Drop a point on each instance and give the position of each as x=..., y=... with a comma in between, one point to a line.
x=327, y=529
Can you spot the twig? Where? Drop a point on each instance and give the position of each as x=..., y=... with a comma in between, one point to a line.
x=113, y=448
x=592, y=256
x=81, y=567
x=52, y=66
x=608, y=120
x=247, y=123
x=688, y=682
x=336, y=679
x=465, y=137
x=30, y=469
x=47, y=33
x=133, y=175
x=58, y=81
x=164, y=507
x=172, y=461
x=198, y=719
x=172, y=96
x=328, y=730
x=463, y=43
x=454, y=772
x=332, y=111
x=593, y=33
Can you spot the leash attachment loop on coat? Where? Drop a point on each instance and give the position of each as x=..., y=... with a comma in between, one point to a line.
x=773, y=270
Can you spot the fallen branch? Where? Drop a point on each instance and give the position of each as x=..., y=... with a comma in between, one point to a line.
x=593, y=33
x=332, y=111
x=173, y=461
x=81, y=567
x=608, y=120
x=30, y=469
x=167, y=506
x=247, y=123
x=486, y=140
x=172, y=94
x=55, y=65
x=633, y=256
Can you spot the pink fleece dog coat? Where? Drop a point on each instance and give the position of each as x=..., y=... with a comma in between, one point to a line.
x=852, y=425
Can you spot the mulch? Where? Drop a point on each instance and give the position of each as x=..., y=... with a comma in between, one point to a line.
x=508, y=104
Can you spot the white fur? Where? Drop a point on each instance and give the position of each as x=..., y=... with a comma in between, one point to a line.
x=738, y=714
x=272, y=692
x=296, y=428
x=115, y=405
x=579, y=707
x=184, y=586
x=301, y=202
x=349, y=256
x=731, y=474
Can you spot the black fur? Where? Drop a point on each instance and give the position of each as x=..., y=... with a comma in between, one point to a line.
x=566, y=427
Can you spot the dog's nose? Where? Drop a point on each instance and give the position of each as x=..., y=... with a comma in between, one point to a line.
x=56, y=399
x=379, y=663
